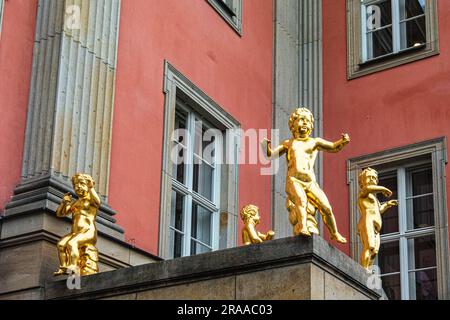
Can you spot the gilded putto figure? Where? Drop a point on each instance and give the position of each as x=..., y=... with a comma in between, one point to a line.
x=370, y=209
x=77, y=251
x=250, y=216
x=304, y=194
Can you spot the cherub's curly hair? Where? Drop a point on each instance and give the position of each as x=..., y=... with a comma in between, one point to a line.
x=248, y=211
x=363, y=174
x=84, y=176
x=296, y=114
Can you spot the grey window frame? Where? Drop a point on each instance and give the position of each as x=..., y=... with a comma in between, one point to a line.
x=356, y=67
x=233, y=16
x=192, y=197
x=2, y=5
x=403, y=235
x=436, y=150
x=176, y=85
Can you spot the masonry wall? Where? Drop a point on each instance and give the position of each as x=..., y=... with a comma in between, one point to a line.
x=235, y=71
x=391, y=108
x=16, y=51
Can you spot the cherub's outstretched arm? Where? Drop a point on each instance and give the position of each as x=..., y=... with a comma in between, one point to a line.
x=253, y=234
x=64, y=208
x=329, y=146
x=262, y=236
x=95, y=199
x=375, y=189
x=387, y=205
x=278, y=151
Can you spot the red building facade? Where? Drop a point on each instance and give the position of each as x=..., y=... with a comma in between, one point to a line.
x=105, y=96
x=395, y=112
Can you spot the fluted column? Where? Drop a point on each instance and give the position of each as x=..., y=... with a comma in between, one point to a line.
x=298, y=82
x=72, y=90
x=71, y=100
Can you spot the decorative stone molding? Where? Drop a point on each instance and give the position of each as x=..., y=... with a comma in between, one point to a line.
x=290, y=268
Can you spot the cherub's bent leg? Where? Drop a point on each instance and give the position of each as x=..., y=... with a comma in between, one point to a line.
x=365, y=252
x=245, y=237
x=318, y=197
x=74, y=245
x=374, y=244
x=297, y=196
x=63, y=254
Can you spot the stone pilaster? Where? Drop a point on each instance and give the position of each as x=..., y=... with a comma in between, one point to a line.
x=72, y=90
x=298, y=82
x=71, y=103
x=68, y=130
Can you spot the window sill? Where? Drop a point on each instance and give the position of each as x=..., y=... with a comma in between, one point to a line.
x=392, y=60
x=390, y=56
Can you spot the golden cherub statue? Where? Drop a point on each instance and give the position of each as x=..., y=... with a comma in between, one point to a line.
x=250, y=216
x=77, y=251
x=304, y=195
x=369, y=225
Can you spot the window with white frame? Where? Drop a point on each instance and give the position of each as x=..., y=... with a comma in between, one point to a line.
x=231, y=11
x=195, y=202
x=387, y=33
x=413, y=258
x=407, y=258
x=392, y=26
x=199, y=178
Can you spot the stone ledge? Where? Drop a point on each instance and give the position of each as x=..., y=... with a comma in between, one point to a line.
x=277, y=258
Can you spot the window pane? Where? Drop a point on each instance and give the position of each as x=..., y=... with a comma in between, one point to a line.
x=203, y=178
x=391, y=286
x=390, y=217
x=201, y=224
x=411, y=8
x=389, y=257
x=423, y=285
x=178, y=152
x=204, y=145
x=180, y=120
x=421, y=182
x=420, y=212
x=176, y=207
x=176, y=244
x=413, y=33
x=178, y=162
x=197, y=248
x=379, y=43
x=229, y=3
x=421, y=252
x=176, y=239
x=385, y=18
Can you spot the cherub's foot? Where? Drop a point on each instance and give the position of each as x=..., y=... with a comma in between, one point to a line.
x=305, y=233
x=338, y=238
x=301, y=231
x=60, y=272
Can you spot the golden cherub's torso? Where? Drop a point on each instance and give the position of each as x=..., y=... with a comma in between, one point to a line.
x=369, y=207
x=83, y=215
x=301, y=156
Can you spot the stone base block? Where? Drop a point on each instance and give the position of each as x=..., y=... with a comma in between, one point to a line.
x=290, y=268
x=28, y=254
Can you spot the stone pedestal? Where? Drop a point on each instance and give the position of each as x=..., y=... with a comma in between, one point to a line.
x=290, y=268
x=28, y=254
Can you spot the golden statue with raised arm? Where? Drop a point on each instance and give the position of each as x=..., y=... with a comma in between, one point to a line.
x=77, y=251
x=369, y=225
x=250, y=216
x=303, y=192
